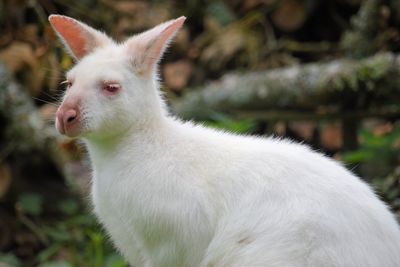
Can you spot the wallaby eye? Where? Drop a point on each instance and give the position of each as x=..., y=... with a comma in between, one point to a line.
x=111, y=88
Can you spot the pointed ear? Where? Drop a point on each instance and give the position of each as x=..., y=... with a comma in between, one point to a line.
x=147, y=48
x=79, y=38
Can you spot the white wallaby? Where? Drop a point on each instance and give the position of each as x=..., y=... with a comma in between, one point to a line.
x=172, y=193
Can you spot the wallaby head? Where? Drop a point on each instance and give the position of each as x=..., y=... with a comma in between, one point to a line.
x=113, y=86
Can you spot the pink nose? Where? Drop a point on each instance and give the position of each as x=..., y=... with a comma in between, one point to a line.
x=70, y=116
x=66, y=119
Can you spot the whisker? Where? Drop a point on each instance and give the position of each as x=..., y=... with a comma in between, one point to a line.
x=53, y=97
x=50, y=121
x=44, y=101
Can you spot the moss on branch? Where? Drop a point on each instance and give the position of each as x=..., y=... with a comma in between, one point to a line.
x=371, y=85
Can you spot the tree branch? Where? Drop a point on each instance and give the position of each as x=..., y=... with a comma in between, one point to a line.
x=371, y=85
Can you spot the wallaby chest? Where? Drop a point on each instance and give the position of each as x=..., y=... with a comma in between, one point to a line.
x=143, y=204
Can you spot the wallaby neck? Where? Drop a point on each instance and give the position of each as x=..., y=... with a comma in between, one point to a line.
x=134, y=139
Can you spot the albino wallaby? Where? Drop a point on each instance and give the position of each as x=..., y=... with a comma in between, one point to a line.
x=172, y=193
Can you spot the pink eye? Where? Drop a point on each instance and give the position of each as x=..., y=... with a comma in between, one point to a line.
x=111, y=88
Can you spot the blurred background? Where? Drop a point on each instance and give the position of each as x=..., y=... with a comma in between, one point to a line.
x=325, y=73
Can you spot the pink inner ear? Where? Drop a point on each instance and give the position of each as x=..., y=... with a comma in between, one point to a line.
x=151, y=44
x=72, y=33
x=167, y=34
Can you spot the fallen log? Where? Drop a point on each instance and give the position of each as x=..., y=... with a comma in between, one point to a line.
x=342, y=87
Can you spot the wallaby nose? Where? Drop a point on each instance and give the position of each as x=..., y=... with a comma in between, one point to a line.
x=66, y=120
x=70, y=116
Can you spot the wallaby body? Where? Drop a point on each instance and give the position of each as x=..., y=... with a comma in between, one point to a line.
x=171, y=193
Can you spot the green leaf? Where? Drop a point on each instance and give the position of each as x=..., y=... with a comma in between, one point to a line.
x=46, y=254
x=221, y=12
x=237, y=126
x=96, y=237
x=31, y=203
x=58, y=234
x=68, y=206
x=115, y=260
x=9, y=260
x=56, y=264
x=358, y=156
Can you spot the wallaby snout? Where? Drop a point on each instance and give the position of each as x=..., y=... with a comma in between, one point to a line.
x=68, y=120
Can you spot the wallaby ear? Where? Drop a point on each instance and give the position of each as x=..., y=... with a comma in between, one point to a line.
x=79, y=38
x=147, y=48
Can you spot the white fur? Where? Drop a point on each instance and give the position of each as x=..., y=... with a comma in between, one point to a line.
x=172, y=193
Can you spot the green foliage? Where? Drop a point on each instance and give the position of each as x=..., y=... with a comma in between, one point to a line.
x=56, y=264
x=221, y=12
x=237, y=126
x=375, y=148
x=9, y=260
x=31, y=203
x=390, y=188
x=114, y=260
x=96, y=246
x=68, y=206
x=377, y=158
x=80, y=238
x=46, y=254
